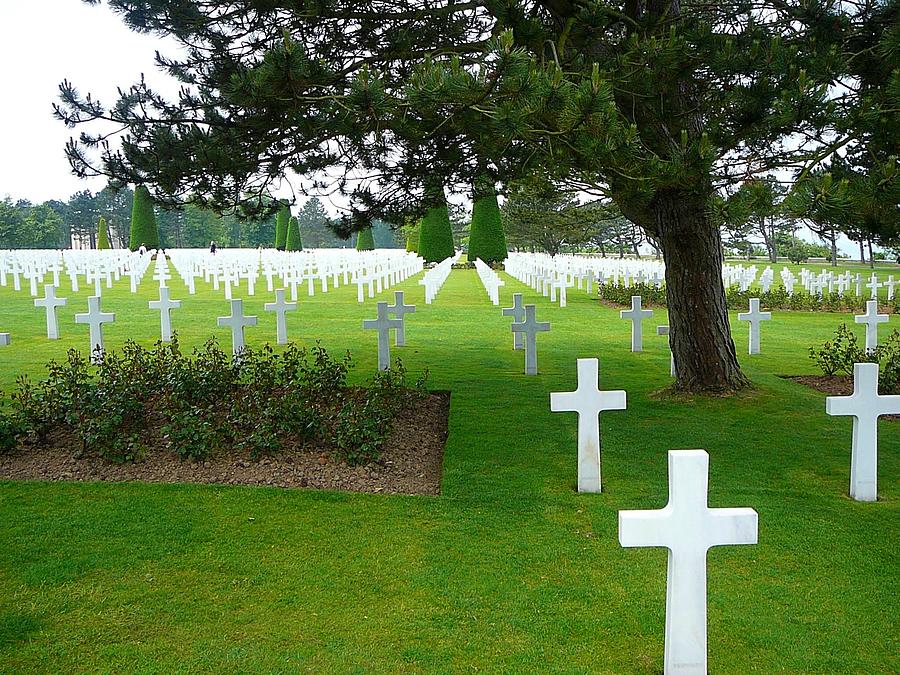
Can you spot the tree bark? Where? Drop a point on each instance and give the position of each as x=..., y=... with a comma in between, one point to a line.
x=700, y=334
x=833, y=248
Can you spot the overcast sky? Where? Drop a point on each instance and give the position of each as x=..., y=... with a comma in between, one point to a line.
x=43, y=42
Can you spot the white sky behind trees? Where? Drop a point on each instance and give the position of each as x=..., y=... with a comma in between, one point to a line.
x=43, y=42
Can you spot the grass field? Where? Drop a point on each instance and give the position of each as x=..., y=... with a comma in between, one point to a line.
x=509, y=570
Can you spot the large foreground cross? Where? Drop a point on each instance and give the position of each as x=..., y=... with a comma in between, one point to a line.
x=755, y=317
x=688, y=528
x=588, y=401
x=866, y=405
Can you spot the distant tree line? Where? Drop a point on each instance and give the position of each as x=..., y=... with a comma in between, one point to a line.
x=55, y=224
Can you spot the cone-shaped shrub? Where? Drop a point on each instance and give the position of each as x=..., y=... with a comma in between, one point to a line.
x=102, y=235
x=292, y=242
x=365, y=240
x=412, y=238
x=435, y=235
x=143, y=221
x=281, y=226
x=486, y=238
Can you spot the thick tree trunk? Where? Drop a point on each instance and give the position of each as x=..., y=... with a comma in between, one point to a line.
x=700, y=334
x=862, y=252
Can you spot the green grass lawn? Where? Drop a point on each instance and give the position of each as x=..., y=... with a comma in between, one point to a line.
x=509, y=570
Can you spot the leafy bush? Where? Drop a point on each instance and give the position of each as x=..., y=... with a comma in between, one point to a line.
x=197, y=404
x=143, y=221
x=837, y=356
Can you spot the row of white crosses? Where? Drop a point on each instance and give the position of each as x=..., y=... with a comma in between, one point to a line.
x=686, y=526
x=490, y=280
x=434, y=278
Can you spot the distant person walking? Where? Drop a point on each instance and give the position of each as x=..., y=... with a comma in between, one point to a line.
x=212, y=247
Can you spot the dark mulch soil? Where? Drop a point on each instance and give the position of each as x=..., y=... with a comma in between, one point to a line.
x=410, y=461
x=833, y=385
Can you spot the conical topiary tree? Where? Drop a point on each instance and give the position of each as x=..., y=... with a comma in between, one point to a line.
x=102, y=235
x=292, y=241
x=412, y=237
x=486, y=238
x=435, y=235
x=281, y=226
x=143, y=221
x=365, y=240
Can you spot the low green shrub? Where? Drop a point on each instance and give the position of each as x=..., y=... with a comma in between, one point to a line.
x=837, y=356
x=738, y=300
x=137, y=399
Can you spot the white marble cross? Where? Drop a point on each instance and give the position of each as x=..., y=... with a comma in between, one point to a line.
x=873, y=286
x=871, y=318
x=530, y=328
x=664, y=330
x=399, y=310
x=890, y=284
x=754, y=316
x=865, y=405
x=517, y=312
x=50, y=302
x=165, y=306
x=280, y=307
x=95, y=319
x=588, y=401
x=237, y=321
x=383, y=325
x=688, y=528
x=636, y=315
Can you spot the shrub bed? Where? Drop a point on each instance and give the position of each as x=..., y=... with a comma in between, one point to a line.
x=736, y=299
x=207, y=401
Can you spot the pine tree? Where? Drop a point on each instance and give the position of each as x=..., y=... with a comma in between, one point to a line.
x=657, y=104
x=292, y=241
x=102, y=235
x=144, y=231
x=365, y=241
x=281, y=226
x=486, y=238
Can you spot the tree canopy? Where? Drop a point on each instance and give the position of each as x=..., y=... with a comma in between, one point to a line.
x=655, y=104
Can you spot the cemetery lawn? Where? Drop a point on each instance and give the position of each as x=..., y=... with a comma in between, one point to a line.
x=509, y=570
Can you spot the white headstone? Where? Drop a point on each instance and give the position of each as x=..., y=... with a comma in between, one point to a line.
x=165, y=306
x=4, y=340
x=754, y=316
x=530, y=327
x=664, y=330
x=383, y=325
x=517, y=312
x=95, y=319
x=50, y=302
x=399, y=310
x=688, y=528
x=871, y=318
x=636, y=315
x=237, y=321
x=280, y=307
x=865, y=405
x=588, y=401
